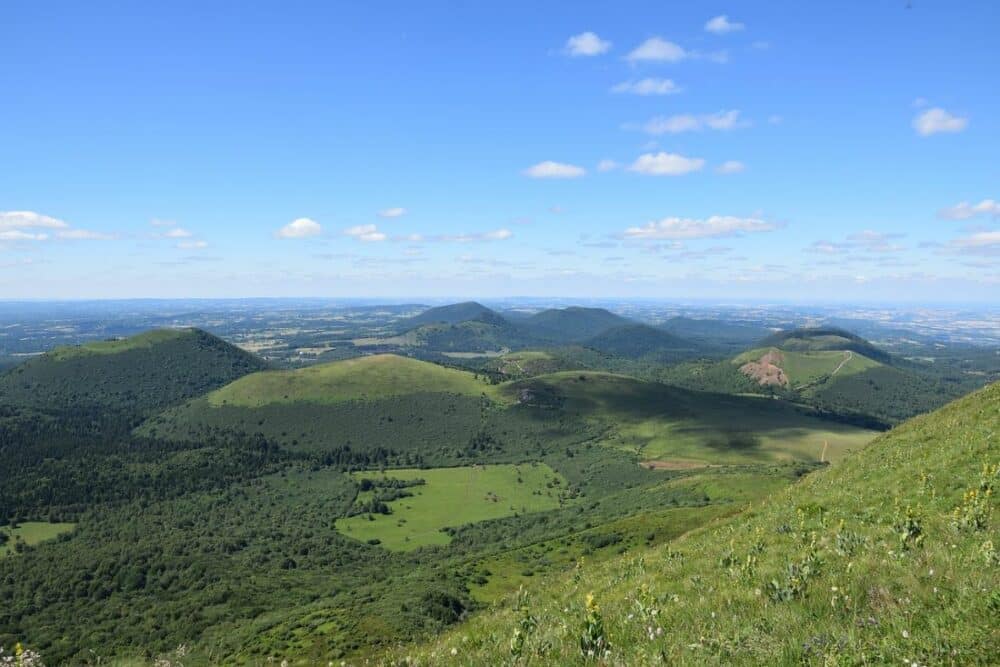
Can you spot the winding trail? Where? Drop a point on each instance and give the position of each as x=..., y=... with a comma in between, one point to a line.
x=848, y=355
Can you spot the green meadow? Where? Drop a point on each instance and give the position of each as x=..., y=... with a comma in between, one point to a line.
x=31, y=533
x=453, y=497
x=364, y=378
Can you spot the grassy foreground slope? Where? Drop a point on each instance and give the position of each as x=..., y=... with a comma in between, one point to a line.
x=890, y=557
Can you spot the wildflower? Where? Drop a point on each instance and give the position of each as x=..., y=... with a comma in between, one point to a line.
x=454, y=651
x=906, y=634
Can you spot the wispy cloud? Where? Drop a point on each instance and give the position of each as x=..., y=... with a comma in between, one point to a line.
x=192, y=245
x=550, y=169
x=721, y=25
x=84, y=235
x=32, y=226
x=716, y=226
x=395, y=212
x=964, y=210
x=586, y=44
x=678, y=123
x=666, y=164
x=300, y=228
x=493, y=235
x=937, y=120
x=647, y=86
x=730, y=167
x=366, y=233
x=980, y=243
x=29, y=220
x=607, y=165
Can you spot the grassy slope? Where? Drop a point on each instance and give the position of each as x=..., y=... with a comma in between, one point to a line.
x=452, y=497
x=804, y=367
x=364, y=378
x=657, y=421
x=863, y=563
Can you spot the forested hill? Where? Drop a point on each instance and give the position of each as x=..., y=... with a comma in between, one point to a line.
x=450, y=314
x=573, y=324
x=815, y=339
x=139, y=374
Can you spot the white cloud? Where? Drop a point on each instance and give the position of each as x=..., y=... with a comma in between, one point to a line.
x=177, y=233
x=648, y=86
x=586, y=44
x=300, y=228
x=28, y=220
x=550, y=169
x=964, y=210
x=395, y=212
x=722, y=120
x=666, y=164
x=716, y=226
x=730, y=167
x=156, y=222
x=657, y=49
x=721, y=25
x=368, y=233
x=607, y=165
x=192, y=245
x=937, y=120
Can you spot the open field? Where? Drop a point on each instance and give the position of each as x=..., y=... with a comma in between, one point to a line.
x=142, y=341
x=452, y=497
x=364, y=378
x=32, y=533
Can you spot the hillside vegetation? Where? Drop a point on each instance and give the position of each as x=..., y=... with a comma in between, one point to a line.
x=889, y=557
x=829, y=368
x=141, y=373
x=364, y=378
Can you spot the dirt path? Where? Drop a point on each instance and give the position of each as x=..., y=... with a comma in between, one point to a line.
x=848, y=355
x=822, y=456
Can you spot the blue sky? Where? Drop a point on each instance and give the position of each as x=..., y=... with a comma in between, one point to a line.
x=741, y=150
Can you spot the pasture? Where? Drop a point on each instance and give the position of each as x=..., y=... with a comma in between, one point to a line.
x=31, y=533
x=452, y=497
x=363, y=378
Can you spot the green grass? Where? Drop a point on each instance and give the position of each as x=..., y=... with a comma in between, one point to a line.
x=886, y=558
x=806, y=367
x=141, y=341
x=655, y=421
x=364, y=378
x=32, y=533
x=452, y=497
